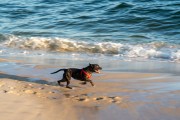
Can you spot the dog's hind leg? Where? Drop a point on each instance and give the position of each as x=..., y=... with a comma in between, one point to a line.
x=62, y=80
x=66, y=78
x=67, y=86
x=67, y=75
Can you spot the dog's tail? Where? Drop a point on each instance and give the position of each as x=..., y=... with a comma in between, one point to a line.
x=57, y=71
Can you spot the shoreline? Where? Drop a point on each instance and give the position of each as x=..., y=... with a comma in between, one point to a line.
x=125, y=95
x=41, y=62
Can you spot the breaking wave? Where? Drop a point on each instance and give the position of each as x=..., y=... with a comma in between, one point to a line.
x=152, y=50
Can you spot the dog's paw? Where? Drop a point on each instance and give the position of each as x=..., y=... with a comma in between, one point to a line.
x=69, y=87
x=60, y=84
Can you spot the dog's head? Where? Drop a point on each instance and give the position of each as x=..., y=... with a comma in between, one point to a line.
x=94, y=68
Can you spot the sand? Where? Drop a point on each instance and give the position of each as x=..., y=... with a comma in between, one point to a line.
x=116, y=96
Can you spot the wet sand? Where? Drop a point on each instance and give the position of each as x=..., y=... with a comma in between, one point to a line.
x=29, y=91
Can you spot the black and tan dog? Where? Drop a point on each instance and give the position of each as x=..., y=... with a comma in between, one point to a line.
x=83, y=74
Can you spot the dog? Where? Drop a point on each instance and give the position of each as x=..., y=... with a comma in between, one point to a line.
x=83, y=74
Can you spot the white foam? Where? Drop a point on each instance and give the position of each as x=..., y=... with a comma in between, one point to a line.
x=154, y=50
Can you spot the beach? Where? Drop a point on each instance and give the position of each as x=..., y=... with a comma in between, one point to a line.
x=136, y=42
x=116, y=95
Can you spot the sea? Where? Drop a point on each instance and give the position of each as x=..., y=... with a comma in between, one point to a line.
x=91, y=30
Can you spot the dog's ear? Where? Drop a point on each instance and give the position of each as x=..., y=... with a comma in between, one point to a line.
x=90, y=65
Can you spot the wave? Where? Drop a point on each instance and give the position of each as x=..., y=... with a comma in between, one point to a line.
x=61, y=45
x=152, y=50
x=122, y=6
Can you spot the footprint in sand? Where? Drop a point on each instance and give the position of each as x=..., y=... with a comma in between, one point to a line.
x=52, y=98
x=115, y=99
x=11, y=92
x=67, y=95
x=41, y=88
x=54, y=91
x=80, y=98
x=83, y=99
x=5, y=91
x=99, y=98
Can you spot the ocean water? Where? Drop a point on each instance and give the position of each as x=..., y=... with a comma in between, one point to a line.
x=129, y=30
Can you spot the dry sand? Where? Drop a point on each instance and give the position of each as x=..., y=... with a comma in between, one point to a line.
x=116, y=96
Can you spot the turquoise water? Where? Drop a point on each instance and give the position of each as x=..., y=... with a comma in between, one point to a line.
x=122, y=29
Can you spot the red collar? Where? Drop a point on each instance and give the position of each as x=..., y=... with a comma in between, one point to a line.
x=88, y=75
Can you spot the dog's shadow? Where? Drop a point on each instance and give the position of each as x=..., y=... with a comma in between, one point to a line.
x=31, y=80
x=27, y=79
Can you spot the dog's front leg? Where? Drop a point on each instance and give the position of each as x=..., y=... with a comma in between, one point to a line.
x=85, y=82
x=90, y=82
